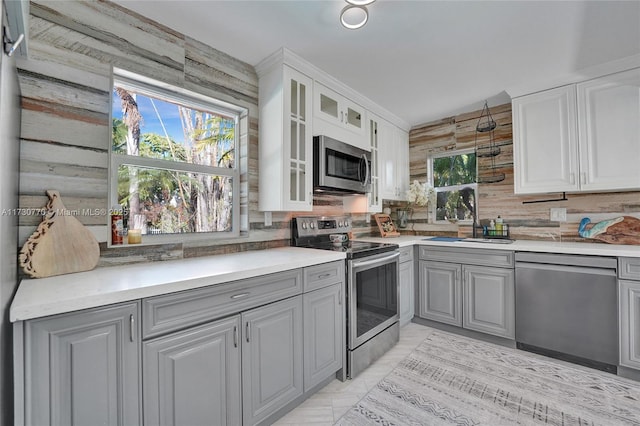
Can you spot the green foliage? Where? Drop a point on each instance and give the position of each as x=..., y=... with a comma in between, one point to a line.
x=153, y=145
x=119, y=136
x=456, y=171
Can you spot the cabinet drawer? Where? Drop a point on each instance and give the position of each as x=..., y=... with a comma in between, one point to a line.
x=482, y=257
x=406, y=254
x=162, y=314
x=629, y=268
x=323, y=275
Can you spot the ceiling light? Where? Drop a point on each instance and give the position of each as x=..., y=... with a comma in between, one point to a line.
x=354, y=17
x=360, y=2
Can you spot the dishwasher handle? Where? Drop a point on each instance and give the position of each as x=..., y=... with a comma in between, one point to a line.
x=566, y=268
x=568, y=259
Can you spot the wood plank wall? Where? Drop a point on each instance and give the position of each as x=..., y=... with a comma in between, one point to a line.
x=526, y=221
x=65, y=137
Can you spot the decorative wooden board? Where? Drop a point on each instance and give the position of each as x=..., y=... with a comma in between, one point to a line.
x=386, y=225
x=60, y=245
x=621, y=230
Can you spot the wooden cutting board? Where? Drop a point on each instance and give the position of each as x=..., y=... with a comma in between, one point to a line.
x=60, y=245
x=621, y=230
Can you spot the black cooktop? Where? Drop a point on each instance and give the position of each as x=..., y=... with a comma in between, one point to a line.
x=313, y=232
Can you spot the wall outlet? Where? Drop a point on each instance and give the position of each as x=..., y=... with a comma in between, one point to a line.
x=558, y=215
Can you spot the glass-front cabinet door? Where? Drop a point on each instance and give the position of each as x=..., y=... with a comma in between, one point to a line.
x=285, y=181
x=374, y=199
x=298, y=138
x=338, y=117
x=354, y=117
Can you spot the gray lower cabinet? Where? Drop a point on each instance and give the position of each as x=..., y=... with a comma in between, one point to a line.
x=323, y=334
x=469, y=288
x=192, y=377
x=407, y=291
x=82, y=368
x=629, y=311
x=272, y=358
x=488, y=300
x=226, y=354
x=440, y=292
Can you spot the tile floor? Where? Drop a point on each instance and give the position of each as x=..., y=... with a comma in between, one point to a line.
x=331, y=402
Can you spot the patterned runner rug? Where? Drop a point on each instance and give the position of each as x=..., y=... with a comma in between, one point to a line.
x=455, y=380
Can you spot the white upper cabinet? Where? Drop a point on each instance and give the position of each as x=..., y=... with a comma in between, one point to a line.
x=394, y=161
x=609, y=132
x=338, y=117
x=545, y=144
x=580, y=137
x=285, y=146
x=296, y=102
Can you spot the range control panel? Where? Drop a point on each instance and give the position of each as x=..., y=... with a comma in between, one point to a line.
x=309, y=226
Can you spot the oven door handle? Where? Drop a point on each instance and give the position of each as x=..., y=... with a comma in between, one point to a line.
x=357, y=264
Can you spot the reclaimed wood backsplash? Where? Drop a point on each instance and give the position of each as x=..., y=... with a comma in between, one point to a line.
x=526, y=221
x=65, y=136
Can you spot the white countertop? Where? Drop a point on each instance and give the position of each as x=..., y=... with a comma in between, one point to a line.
x=103, y=286
x=65, y=293
x=595, y=249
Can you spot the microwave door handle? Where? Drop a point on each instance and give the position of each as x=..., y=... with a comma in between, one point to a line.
x=367, y=171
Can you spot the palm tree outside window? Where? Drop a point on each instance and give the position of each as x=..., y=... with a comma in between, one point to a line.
x=174, y=159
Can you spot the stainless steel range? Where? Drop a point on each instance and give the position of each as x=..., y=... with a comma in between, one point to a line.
x=372, y=287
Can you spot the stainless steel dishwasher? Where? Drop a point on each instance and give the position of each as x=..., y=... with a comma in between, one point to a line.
x=566, y=308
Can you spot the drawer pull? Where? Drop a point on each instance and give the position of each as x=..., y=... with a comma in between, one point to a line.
x=323, y=276
x=240, y=295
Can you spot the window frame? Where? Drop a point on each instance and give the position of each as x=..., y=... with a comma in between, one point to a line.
x=430, y=179
x=161, y=90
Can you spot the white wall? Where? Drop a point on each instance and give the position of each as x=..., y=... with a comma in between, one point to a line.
x=9, y=155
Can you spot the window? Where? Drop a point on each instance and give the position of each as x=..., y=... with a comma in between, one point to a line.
x=173, y=164
x=454, y=179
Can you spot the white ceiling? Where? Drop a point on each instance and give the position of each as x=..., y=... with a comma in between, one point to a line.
x=422, y=60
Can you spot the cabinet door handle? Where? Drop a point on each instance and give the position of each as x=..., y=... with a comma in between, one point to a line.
x=583, y=178
x=132, y=323
x=247, y=329
x=235, y=336
x=240, y=295
x=342, y=116
x=339, y=297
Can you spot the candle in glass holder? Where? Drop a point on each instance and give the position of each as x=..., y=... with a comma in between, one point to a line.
x=135, y=236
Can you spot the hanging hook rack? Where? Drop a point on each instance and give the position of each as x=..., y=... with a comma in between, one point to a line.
x=486, y=124
x=9, y=46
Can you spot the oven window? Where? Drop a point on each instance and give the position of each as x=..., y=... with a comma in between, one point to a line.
x=341, y=165
x=376, y=297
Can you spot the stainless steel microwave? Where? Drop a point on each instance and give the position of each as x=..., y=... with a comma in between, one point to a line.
x=339, y=167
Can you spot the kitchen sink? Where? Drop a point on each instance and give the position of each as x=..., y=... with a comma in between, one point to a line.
x=471, y=240
x=488, y=240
